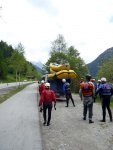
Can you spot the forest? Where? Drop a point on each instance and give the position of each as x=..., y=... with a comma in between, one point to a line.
x=13, y=65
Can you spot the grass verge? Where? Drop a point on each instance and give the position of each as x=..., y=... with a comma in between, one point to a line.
x=12, y=92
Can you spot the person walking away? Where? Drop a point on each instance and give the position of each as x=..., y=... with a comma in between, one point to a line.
x=87, y=93
x=67, y=92
x=95, y=85
x=41, y=87
x=98, y=85
x=106, y=93
x=46, y=99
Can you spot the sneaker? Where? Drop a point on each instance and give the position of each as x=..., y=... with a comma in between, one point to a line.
x=90, y=121
x=102, y=121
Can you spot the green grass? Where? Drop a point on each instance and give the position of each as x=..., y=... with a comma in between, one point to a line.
x=12, y=92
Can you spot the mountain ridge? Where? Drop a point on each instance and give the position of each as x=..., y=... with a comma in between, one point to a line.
x=93, y=66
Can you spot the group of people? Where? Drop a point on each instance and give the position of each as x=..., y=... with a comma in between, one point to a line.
x=47, y=96
x=87, y=92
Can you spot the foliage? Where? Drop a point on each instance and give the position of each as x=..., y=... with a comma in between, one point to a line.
x=3, y=67
x=94, y=65
x=106, y=69
x=13, y=64
x=60, y=54
x=59, y=45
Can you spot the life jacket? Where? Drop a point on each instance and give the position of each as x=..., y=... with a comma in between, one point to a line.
x=87, y=89
x=107, y=89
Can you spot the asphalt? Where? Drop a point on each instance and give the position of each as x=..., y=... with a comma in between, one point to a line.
x=19, y=121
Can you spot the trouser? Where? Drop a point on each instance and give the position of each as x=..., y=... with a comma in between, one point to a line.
x=86, y=108
x=69, y=96
x=47, y=105
x=106, y=104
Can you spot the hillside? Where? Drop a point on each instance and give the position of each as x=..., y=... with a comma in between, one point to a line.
x=93, y=66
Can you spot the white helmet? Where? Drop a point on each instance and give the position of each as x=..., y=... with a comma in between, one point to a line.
x=42, y=81
x=103, y=79
x=99, y=80
x=63, y=80
x=47, y=84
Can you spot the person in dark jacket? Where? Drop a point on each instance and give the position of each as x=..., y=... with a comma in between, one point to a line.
x=46, y=99
x=106, y=92
x=67, y=92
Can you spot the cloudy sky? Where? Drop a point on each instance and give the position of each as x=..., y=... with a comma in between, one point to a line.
x=85, y=24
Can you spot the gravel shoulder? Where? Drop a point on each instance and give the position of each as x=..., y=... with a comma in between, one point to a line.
x=68, y=131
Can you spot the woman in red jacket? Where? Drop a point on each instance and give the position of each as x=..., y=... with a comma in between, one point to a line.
x=46, y=99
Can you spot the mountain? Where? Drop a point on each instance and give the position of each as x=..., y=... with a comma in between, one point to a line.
x=38, y=65
x=93, y=66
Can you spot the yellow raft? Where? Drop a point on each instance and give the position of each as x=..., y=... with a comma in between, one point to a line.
x=59, y=67
x=66, y=74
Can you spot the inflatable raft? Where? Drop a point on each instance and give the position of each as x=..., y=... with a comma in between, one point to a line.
x=56, y=67
x=67, y=74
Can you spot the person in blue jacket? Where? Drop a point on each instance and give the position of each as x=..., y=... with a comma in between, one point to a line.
x=106, y=92
x=67, y=92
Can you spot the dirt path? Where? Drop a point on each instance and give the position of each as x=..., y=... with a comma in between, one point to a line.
x=69, y=132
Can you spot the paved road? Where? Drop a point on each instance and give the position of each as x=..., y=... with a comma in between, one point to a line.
x=19, y=121
x=14, y=84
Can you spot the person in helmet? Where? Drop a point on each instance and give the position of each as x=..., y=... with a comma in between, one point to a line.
x=106, y=91
x=41, y=87
x=67, y=92
x=46, y=99
x=87, y=92
x=95, y=85
x=81, y=81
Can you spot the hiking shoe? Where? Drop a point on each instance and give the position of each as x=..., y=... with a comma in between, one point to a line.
x=84, y=118
x=102, y=121
x=90, y=121
x=48, y=124
x=44, y=123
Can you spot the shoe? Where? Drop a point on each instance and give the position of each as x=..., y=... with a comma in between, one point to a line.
x=66, y=106
x=44, y=123
x=111, y=120
x=84, y=118
x=90, y=121
x=48, y=124
x=102, y=121
x=74, y=105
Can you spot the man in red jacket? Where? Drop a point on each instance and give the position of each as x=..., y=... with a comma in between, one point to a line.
x=41, y=87
x=46, y=99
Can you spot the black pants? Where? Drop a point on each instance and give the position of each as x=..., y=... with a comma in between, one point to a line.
x=47, y=105
x=69, y=96
x=106, y=104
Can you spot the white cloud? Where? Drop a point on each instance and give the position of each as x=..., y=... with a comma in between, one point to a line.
x=84, y=24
